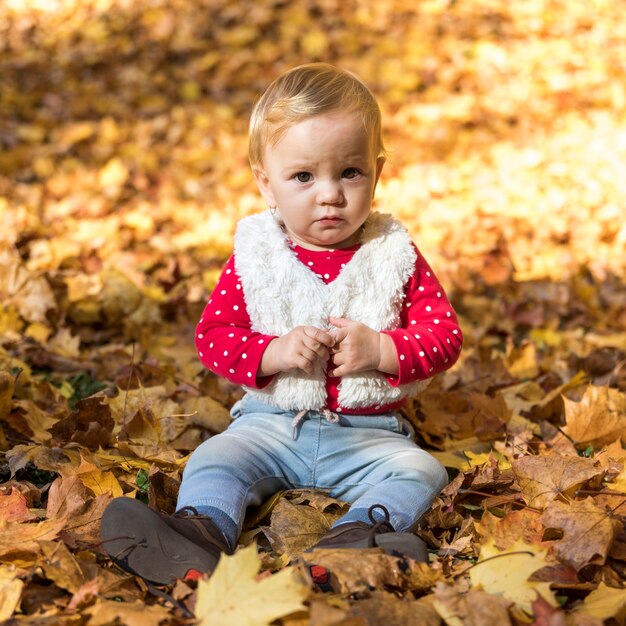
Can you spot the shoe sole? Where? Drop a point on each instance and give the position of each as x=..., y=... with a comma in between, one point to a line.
x=140, y=542
x=394, y=544
x=403, y=544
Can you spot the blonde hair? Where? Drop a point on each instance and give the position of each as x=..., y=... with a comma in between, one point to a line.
x=306, y=91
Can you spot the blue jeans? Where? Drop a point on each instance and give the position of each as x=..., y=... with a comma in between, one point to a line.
x=361, y=459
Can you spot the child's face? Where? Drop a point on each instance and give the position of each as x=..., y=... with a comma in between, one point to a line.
x=321, y=176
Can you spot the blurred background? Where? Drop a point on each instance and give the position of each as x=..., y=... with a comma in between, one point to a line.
x=123, y=153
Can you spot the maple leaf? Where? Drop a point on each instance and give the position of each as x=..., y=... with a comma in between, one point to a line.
x=233, y=595
x=588, y=531
x=507, y=530
x=604, y=603
x=544, y=478
x=507, y=574
x=598, y=419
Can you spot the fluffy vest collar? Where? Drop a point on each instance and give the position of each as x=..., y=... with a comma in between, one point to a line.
x=282, y=293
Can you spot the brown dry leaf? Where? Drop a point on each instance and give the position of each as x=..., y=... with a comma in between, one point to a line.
x=33, y=421
x=105, y=612
x=294, y=528
x=18, y=539
x=14, y=508
x=460, y=607
x=69, y=499
x=546, y=615
x=354, y=570
x=91, y=425
x=524, y=525
x=388, y=609
x=598, y=419
x=60, y=566
x=544, y=478
x=7, y=388
x=28, y=292
x=588, y=531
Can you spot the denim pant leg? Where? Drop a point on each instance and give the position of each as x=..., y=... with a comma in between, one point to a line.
x=372, y=459
x=250, y=461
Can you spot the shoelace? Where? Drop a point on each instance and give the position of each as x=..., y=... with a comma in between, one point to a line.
x=378, y=526
x=333, y=418
x=191, y=513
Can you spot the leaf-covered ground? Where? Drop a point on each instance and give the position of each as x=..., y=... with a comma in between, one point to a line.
x=122, y=173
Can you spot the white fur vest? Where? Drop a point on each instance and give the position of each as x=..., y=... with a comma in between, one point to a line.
x=282, y=293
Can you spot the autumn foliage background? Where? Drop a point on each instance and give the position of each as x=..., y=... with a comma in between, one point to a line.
x=123, y=171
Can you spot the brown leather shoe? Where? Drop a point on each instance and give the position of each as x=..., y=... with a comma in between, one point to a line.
x=378, y=534
x=157, y=547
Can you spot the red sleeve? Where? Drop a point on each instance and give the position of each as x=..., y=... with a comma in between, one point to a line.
x=224, y=340
x=429, y=339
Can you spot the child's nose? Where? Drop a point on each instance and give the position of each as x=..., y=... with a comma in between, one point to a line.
x=330, y=192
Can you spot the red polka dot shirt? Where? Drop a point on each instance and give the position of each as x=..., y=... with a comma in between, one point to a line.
x=428, y=340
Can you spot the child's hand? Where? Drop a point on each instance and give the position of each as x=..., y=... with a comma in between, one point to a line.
x=357, y=347
x=299, y=349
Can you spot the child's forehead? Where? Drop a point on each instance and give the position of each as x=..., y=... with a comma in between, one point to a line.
x=341, y=136
x=323, y=126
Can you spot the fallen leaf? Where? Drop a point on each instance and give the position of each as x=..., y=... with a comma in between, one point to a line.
x=16, y=539
x=105, y=612
x=295, y=528
x=97, y=481
x=544, y=478
x=361, y=570
x=598, y=419
x=506, y=573
x=233, y=595
x=60, y=566
x=388, y=609
x=524, y=525
x=588, y=531
x=7, y=388
x=547, y=615
x=10, y=591
x=460, y=607
x=14, y=508
x=604, y=603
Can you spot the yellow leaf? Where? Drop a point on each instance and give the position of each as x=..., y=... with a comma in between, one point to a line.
x=604, y=603
x=113, y=175
x=314, y=43
x=474, y=460
x=97, y=481
x=233, y=595
x=10, y=592
x=599, y=418
x=507, y=574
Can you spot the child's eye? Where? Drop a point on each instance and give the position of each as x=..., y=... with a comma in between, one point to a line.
x=351, y=172
x=303, y=177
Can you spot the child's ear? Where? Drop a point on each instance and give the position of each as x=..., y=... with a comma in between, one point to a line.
x=380, y=161
x=263, y=184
